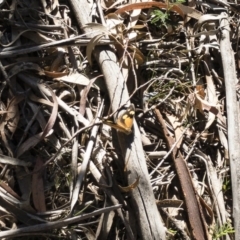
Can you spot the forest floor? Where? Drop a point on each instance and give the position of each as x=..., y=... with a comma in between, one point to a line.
x=63, y=174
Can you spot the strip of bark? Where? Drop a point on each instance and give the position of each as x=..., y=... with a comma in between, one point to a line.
x=195, y=216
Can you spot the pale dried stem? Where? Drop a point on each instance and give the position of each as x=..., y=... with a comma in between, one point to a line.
x=232, y=118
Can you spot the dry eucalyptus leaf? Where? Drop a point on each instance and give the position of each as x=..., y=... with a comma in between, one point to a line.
x=91, y=46
x=38, y=187
x=75, y=78
x=179, y=8
x=12, y=115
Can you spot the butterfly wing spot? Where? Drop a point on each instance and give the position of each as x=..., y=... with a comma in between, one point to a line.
x=132, y=113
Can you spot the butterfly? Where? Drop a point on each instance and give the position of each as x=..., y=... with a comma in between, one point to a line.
x=124, y=122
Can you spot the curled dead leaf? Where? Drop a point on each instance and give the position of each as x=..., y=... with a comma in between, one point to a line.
x=178, y=8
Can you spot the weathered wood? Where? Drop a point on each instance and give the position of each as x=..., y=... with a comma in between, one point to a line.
x=230, y=79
